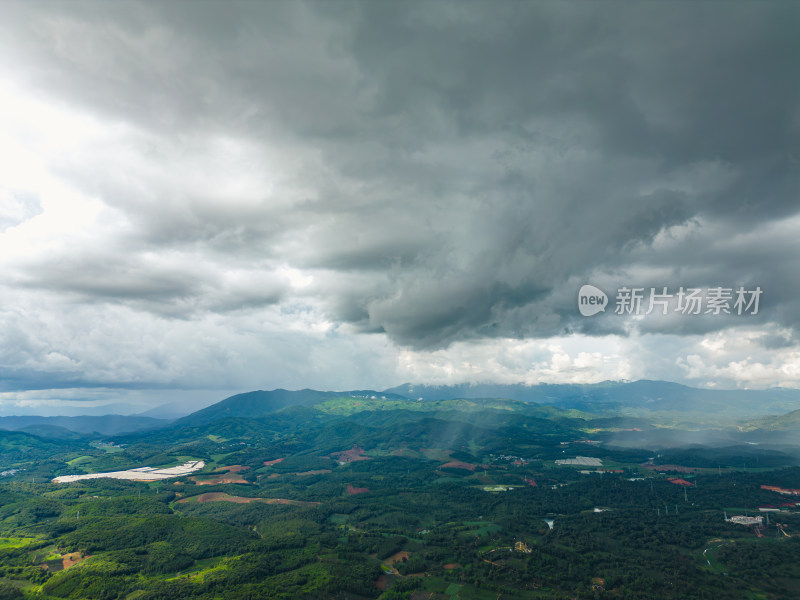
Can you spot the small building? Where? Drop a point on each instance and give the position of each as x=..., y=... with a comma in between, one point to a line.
x=522, y=547
x=748, y=521
x=584, y=461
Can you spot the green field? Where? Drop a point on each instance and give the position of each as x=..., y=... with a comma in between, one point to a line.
x=81, y=460
x=16, y=542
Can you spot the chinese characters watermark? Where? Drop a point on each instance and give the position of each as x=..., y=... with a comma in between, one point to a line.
x=664, y=300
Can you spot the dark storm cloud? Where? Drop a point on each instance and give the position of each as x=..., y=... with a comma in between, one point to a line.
x=462, y=166
x=94, y=277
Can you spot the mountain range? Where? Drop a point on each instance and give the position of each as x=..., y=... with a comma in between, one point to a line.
x=633, y=414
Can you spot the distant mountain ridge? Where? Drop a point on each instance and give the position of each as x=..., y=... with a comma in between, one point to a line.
x=83, y=425
x=664, y=401
x=260, y=403
x=643, y=414
x=610, y=396
x=607, y=398
x=67, y=410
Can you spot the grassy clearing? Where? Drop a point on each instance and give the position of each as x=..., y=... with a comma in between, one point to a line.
x=486, y=530
x=44, y=554
x=217, y=458
x=437, y=585
x=175, y=505
x=201, y=568
x=467, y=592
x=80, y=460
x=349, y=406
x=338, y=518
x=16, y=542
x=452, y=590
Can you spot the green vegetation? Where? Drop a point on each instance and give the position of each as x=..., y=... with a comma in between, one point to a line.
x=80, y=460
x=367, y=492
x=15, y=542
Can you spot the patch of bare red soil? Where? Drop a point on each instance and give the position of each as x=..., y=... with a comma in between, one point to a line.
x=219, y=497
x=398, y=557
x=352, y=455
x=220, y=480
x=223, y=497
x=68, y=560
x=679, y=481
x=457, y=464
x=380, y=582
x=231, y=469
x=676, y=468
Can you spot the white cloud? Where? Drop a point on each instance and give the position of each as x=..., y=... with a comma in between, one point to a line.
x=557, y=360
x=737, y=358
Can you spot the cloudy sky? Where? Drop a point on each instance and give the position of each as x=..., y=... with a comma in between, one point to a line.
x=199, y=198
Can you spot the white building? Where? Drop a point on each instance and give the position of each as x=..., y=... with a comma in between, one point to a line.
x=742, y=520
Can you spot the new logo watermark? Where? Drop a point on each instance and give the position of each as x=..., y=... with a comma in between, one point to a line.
x=684, y=300
x=591, y=300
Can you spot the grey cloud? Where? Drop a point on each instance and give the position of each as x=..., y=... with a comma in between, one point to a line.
x=96, y=279
x=777, y=341
x=173, y=288
x=466, y=162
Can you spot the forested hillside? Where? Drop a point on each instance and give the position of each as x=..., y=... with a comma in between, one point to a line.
x=368, y=496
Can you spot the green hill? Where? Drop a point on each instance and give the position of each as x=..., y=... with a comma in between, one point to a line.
x=259, y=403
